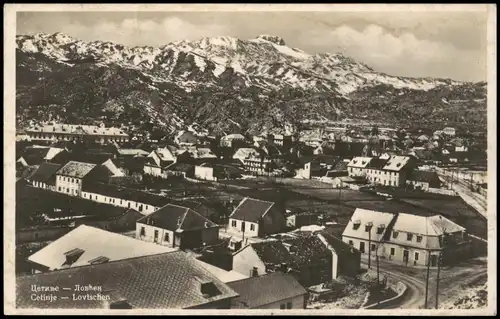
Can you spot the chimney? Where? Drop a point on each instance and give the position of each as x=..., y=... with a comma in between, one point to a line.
x=255, y=272
x=178, y=222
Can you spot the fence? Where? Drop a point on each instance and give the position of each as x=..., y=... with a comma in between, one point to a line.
x=401, y=290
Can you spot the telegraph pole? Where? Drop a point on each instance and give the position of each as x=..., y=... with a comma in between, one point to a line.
x=369, y=246
x=427, y=279
x=244, y=226
x=437, y=280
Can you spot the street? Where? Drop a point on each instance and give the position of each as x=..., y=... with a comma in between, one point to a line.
x=462, y=187
x=452, y=280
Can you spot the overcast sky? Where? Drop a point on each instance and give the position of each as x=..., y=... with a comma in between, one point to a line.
x=417, y=44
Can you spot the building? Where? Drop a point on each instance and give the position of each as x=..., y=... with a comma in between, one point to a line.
x=330, y=176
x=224, y=275
x=449, y=131
x=186, y=138
x=86, y=245
x=392, y=172
x=45, y=176
x=177, y=226
x=105, y=160
x=406, y=238
x=172, y=280
x=256, y=218
x=245, y=152
x=143, y=202
x=232, y=140
x=179, y=169
x=36, y=155
x=271, y=291
x=159, y=159
x=424, y=180
x=356, y=167
x=258, y=166
x=126, y=152
x=312, y=258
x=74, y=132
x=348, y=182
x=71, y=177
x=215, y=172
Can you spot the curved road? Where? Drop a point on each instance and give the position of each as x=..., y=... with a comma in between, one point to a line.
x=451, y=281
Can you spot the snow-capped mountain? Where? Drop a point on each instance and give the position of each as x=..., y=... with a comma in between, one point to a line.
x=261, y=67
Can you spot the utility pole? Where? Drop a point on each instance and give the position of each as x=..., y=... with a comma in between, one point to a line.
x=243, y=238
x=437, y=280
x=369, y=245
x=427, y=279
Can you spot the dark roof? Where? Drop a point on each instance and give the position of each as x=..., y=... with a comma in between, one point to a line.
x=377, y=163
x=76, y=169
x=44, y=172
x=34, y=155
x=271, y=252
x=424, y=176
x=31, y=201
x=264, y=290
x=92, y=158
x=325, y=159
x=173, y=217
x=340, y=166
x=338, y=245
x=423, y=154
x=125, y=193
x=180, y=167
x=251, y=210
x=201, y=205
x=168, y=280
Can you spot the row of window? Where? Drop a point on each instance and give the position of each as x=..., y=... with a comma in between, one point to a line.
x=373, y=171
x=67, y=190
x=235, y=224
x=156, y=234
x=110, y=200
x=409, y=236
x=374, y=247
x=68, y=179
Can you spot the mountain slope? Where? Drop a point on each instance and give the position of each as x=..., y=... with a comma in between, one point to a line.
x=224, y=84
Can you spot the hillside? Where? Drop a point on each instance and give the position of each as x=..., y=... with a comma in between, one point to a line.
x=224, y=84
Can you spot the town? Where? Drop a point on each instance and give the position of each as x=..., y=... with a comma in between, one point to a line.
x=336, y=216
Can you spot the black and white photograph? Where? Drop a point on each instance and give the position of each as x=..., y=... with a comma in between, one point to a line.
x=250, y=159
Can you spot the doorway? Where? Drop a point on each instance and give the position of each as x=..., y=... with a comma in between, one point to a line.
x=433, y=260
x=406, y=255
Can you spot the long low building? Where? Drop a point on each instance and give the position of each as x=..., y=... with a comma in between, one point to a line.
x=72, y=132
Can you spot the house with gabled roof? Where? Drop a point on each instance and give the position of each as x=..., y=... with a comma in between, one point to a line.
x=172, y=280
x=45, y=176
x=84, y=246
x=177, y=226
x=424, y=179
x=256, y=218
x=71, y=177
x=160, y=158
x=407, y=238
x=311, y=258
x=357, y=165
x=271, y=291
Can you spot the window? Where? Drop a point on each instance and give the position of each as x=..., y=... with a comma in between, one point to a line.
x=252, y=226
x=156, y=235
x=416, y=256
x=374, y=247
x=167, y=237
x=233, y=223
x=380, y=230
x=59, y=188
x=351, y=243
x=121, y=201
x=393, y=251
x=77, y=181
x=395, y=234
x=362, y=247
x=288, y=305
x=283, y=306
x=409, y=237
x=356, y=225
x=419, y=239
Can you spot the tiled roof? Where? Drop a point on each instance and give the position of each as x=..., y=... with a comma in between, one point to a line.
x=76, y=169
x=34, y=155
x=162, y=281
x=377, y=163
x=180, y=167
x=271, y=252
x=251, y=210
x=264, y=290
x=173, y=217
x=90, y=240
x=44, y=172
x=425, y=225
x=397, y=163
x=125, y=193
x=363, y=217
x=359, y=162
x=340, y=247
